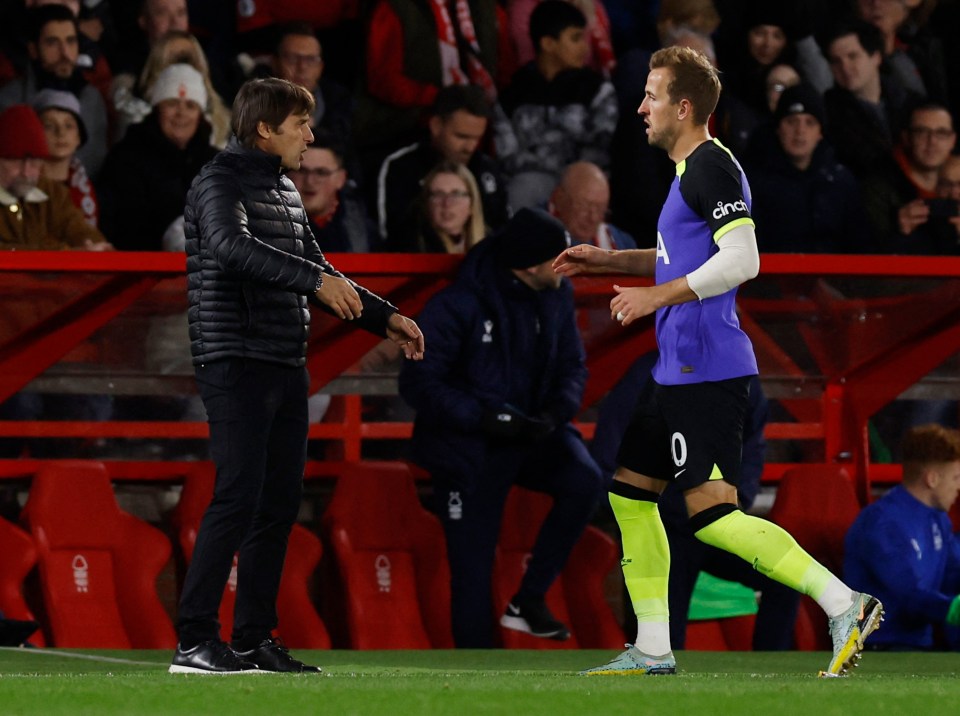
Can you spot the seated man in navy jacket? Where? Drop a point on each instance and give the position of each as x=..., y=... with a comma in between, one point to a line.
x=494, y=398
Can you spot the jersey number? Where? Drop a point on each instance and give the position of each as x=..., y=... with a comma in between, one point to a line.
x=678, y=448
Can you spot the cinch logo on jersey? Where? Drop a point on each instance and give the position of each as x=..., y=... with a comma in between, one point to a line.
x=723, y=209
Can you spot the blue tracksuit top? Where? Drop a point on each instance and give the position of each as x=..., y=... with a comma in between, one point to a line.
x=905, y=554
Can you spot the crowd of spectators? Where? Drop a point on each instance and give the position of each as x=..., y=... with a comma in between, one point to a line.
x=529, y=95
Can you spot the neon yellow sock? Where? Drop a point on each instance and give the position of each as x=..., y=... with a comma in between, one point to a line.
x=646, y=557
x=770, y=549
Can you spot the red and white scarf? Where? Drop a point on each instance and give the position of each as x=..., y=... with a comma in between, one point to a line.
x=604, y=58
x=453, y=73
x=82, y=193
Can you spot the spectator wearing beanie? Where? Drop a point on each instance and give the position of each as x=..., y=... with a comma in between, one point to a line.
x=804, y=200
x=36, y=212
x=143, y=186
x=494, y=397
x=59, y=113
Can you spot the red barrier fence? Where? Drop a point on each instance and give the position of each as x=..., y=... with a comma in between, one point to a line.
x=837, y=337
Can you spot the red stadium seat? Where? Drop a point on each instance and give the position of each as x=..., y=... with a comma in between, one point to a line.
x=18, y=555
x=299, y=625
x=576, y=598
x=390, y=561
x=816, y=504
x=725, y=634
x=98, y=564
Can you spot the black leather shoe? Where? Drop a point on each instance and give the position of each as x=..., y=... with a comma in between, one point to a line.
x=210, y=657
x=271, y=655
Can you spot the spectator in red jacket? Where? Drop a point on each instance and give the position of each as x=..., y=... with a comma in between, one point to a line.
x=415, y=47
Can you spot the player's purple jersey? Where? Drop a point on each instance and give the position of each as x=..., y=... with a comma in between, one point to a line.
x=701, y=340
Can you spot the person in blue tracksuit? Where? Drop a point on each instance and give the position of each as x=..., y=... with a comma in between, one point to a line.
x=902, y=547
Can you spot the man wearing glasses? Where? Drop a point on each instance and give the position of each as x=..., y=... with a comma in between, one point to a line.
x=457, y=125
x=298, y=58
x=907, y=213
x=338, y=217
x=581, y=201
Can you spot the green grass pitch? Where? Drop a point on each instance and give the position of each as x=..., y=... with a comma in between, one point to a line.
x=51, y=682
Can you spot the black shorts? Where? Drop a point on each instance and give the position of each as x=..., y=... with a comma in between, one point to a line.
x=687, y=434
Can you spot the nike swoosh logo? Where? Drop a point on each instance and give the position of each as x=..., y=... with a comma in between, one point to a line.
x=678, y=474
x=513, y=610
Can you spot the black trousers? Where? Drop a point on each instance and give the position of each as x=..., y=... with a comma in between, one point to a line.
x=257, y=413
x=559, y=466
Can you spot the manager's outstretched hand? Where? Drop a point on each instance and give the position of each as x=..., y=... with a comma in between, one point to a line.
x=406, y=334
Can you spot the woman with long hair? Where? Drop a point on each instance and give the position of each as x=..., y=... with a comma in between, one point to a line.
x=450, y=210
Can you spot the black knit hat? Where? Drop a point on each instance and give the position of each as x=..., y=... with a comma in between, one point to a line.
x=765, y=12
x=531, y=237
x=800, y=99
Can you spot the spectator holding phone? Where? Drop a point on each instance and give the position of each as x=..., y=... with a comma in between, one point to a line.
x=901, y=204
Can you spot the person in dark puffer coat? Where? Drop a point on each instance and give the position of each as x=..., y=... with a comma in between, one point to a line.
x=145, y=177
x=252, y=264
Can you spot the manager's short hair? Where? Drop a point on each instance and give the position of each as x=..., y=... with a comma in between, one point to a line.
x=269, y=100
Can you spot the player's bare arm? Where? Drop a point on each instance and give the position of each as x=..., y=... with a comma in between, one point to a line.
x=584, y=258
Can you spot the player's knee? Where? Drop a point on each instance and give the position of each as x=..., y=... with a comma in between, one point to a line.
x=705, y=518
x=632, y=492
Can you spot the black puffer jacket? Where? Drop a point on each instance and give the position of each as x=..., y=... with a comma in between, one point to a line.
x=252, y=263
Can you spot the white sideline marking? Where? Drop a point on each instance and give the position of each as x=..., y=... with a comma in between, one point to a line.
x=74, y=655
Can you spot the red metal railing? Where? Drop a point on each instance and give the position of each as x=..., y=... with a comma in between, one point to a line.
x=837, y=337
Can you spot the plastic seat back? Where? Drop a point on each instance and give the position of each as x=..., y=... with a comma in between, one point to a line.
x=98, y=565
x=816, y=504
x=18, y=555
x=576, y=598
x=723, y=634
x=299, y=624
x=391, y=561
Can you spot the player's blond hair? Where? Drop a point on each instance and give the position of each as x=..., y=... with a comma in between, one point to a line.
x=928, y=444
x=695, y=79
